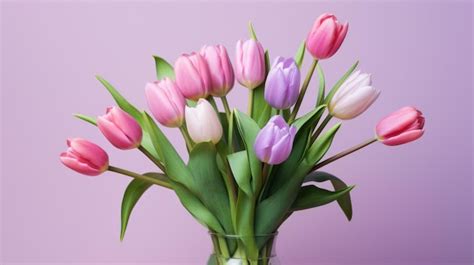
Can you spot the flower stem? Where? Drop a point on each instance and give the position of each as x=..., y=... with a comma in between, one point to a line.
x=304, y=87
x=187, y=138
x=228, y=113
x=213, y=103
x=152, y=158
x=225, y=103
x=320, y=128
x=344, y=153
x=146, y=178
x=250, y=107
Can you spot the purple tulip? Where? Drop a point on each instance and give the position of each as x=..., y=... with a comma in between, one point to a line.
x=274, y=142
x=283, y=83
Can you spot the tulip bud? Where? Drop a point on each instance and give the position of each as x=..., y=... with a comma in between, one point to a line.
x=220, y=68
x=192, y=76
x=326, y=36
x=402, y=126
x=354, y=96
x=165, y=102
x=85, y=157
x=274, y=142
x=202, y=123
x=283, y=83
x=120, y=128
x=250, y=63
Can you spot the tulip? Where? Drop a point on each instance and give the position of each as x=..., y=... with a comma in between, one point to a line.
x=192, y=76
x=202, y=123
x=274, y=142
x=85, y=157
x=354, y=96
x=220, y=68
x=283, y=83
x=402, y=126
x=326, y=36
x=250, y=63
x=121, y=129
x=166, y=102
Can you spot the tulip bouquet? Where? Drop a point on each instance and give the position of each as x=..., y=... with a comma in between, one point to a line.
x=247, y=172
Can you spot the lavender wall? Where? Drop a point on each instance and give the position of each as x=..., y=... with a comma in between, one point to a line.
x=413, y=204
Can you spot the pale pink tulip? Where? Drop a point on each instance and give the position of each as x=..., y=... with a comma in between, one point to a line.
x=121, y=129
x=402, y=126
x=85, y=157
x=193, y=76
x=250, y=63
x=166, y=102
x=222, y=74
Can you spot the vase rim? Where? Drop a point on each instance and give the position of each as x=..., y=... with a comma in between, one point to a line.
x=240, y=236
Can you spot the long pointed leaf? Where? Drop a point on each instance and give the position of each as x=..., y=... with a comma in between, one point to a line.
x=300, y=54
x=312, y=196
x=163, y=68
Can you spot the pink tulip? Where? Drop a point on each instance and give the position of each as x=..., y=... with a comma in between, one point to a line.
x=250, y=63
x=166, y=102
x=402, y=126
x=85, y=157
x=121, y=129
x=222, y=74
x=193, y=76
x=326, y=36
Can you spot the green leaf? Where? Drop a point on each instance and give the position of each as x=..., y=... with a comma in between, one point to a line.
x=322, y=85
x=312, y=196
x=260, y=111
x=240, y=167
x=163, y=68
x=319, y=148
x=86, y=118
x=345, y=200
x=252, y=31
x=209, y=184
x=340, y=82
x=300, y=54
x=248, y=130
x=132, y=194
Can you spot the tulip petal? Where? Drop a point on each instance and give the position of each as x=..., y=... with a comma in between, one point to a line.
x=403, y=138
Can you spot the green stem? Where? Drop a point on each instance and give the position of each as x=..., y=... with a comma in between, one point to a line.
x=146, y=178
x=344, y=153
x=250, y=107
x=320, y=128
x=152, y=158
x=187, y=138
x=304, y=87
x=213, y=103
x=225, y=103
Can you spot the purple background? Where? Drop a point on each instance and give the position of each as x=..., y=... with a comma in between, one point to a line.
x=413, y=204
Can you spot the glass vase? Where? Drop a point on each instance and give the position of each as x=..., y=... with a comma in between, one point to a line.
x=243, y=250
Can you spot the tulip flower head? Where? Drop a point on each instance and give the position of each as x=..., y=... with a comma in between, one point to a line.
x=354, y=96
x=283, y=83
x=121, y=129
x=193, y=76
x=250, y=63
x=326, y=36
x=203, y=123
x=85, y=157
x=274, y=142
x=166, y=102
x=220, y=68
x=402, y=126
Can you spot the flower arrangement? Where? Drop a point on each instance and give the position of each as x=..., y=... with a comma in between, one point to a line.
x=247, y=172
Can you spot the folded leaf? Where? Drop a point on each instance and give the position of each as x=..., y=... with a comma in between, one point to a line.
x=240, y=167
x=339, y=83
x=132, y=194
x=319, y=148
x=248, y=131
x=163, y=68
x=300, y=54
x=312, y=196
x=322, y=85
x=261, y=113
x=209, y=183
x=345, y=200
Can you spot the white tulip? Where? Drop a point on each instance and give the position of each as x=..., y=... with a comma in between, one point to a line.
x=203, y=123
x=354, y=96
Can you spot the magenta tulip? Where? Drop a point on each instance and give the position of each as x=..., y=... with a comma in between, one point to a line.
x=85, y=157
x=166, y=102
x=121, y=129
x=402, y=126
x=193, y=76
x=326, y=36
x=220, y=68
x=250, y=63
